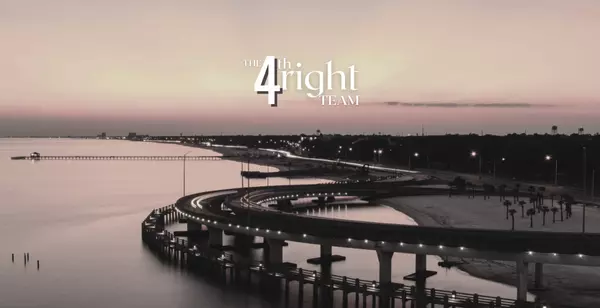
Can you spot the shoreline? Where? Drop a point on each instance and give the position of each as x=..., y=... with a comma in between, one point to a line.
x=281, y=163
x=562, y=286
x=562, y=292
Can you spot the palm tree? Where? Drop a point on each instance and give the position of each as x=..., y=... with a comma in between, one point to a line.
x=541, y=191
x=554, y=210
x=487, y=191
x=530, y=213
x=545, y=210
x=560, y=204
x=502, y=191
x=522, y=205
x=533, y=202
x=531, y=190
x=516, y=191
x=450, y=185
x=552, y=199
x=512, y=215
x=507, y=204
x=472, y=186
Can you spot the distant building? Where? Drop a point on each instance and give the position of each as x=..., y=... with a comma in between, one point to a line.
x=131, y=136
x=102, y=136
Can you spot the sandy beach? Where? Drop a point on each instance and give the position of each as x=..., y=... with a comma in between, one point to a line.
x=564, y=286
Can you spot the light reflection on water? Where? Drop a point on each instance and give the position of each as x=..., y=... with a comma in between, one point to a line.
x=81, y=219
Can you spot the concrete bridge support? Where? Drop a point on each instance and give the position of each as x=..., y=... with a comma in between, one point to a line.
x=194, y=236
x=274, y=253
x=326, y=257
x=215, y=237
x=325, y=252
x=284, y=205
x=420, y=278
x=325, y=291
x=539, y=276
x=321, y=200
x=522, y=268
x=385, y=277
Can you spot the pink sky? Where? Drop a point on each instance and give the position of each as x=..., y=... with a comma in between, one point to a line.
x=73, y=65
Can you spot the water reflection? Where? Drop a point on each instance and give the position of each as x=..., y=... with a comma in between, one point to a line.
x=81, y=220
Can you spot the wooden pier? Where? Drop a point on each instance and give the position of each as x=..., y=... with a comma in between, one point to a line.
x=221, y=267
x=131, y=158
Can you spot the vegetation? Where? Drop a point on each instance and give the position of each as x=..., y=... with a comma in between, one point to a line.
x=516, y=156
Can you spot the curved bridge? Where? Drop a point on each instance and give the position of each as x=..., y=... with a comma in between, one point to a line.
x=247, y=211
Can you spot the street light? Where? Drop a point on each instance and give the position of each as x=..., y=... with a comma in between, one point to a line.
x=377, y=154
x=184, y=156
x=501, y=160
x=416, y=154
x=475, y=154
x=584, y=172
x=549, y=158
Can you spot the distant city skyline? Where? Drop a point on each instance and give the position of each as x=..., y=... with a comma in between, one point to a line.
x=80, y=68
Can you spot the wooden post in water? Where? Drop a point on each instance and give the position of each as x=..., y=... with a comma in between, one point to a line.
x=13, y=258
x=27, y=257
x=38, y=265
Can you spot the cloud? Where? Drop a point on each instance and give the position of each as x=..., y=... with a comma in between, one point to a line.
x=465, y=105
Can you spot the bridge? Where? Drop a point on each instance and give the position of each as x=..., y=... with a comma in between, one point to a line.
x=131, y=157
x=268, y=212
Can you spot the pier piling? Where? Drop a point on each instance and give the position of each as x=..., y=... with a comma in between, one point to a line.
x=207, y=256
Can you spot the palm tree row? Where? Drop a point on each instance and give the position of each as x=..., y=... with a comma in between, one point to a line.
x=536, y=199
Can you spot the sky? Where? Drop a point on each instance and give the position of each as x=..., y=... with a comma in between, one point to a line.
x=165, y=67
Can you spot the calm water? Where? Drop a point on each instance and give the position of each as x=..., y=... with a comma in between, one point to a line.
x=81, y=220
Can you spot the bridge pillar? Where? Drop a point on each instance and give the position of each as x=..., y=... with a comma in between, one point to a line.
x=274, y=256
x=539, y=276
x=522, y=267
x=420, y=277
x=321, y=200
x=284, y=205
x=215, y=237
x=326, y=257
x=194, y=237
x=325, y=251
x=325, y=289
x=385, y=277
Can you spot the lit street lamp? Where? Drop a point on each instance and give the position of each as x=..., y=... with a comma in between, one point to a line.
x=549, y=158
x=377, y=155
x=501, y=160
x=416, y=155
x=474, y=154
x=584, y=184
x=184, y=156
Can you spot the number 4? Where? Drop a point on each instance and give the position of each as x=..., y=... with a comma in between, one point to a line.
x=266, y=81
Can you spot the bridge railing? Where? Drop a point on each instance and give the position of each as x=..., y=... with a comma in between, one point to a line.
x=400, y=291
x=484, y=239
